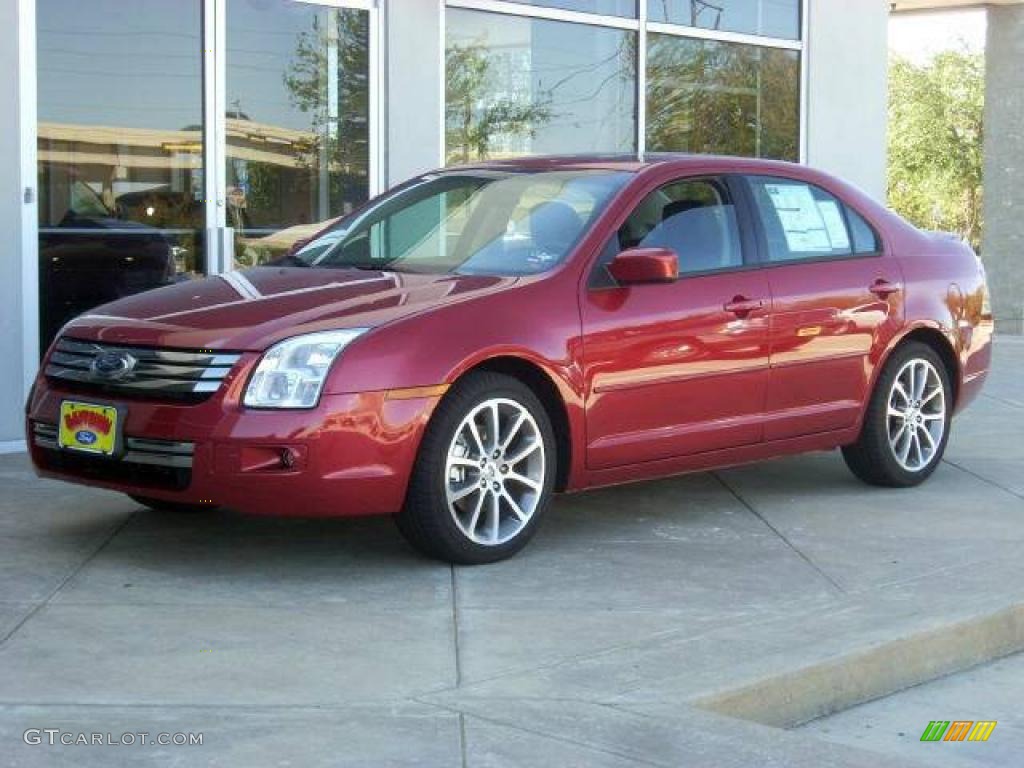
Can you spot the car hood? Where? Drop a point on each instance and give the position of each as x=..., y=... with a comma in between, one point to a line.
x=251, y=309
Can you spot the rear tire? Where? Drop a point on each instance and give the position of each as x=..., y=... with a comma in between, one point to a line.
x=906, y=426
x=176, y=507
x=484, y=474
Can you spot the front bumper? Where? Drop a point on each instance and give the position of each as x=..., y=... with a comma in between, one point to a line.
x=351, y=455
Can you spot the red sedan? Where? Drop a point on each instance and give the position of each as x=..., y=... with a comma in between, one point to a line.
x=481, y=337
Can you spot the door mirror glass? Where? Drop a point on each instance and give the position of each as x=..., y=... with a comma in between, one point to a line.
x=645, y=265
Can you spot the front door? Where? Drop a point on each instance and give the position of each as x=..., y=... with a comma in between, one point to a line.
x=682, y=368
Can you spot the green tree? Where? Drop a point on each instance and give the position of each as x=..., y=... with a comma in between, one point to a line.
x=473, y=118
x=935, y=142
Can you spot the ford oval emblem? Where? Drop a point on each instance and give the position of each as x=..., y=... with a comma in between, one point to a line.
x=112, y=365
x=85, y=437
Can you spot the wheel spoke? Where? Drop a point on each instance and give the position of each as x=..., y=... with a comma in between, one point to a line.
x=522, y=453
x=495, y=515
x=931, y=395
x=917, y=447
x=921, y=379
x=475, y=518
x=898, y=389
x=895, y=413
x=495, y=425
x=528, y=482
x=513, y=431
x=481, y=450
x=923, y=431
x=523, y=517
x=904, y=452
x=933, y=416
x=464, y=461
x=461, y=493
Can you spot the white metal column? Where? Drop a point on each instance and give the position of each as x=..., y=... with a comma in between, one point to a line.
x=19, y=288
x=219, y=238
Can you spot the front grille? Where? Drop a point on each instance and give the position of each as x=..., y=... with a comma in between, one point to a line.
x=160, y=374
x=145, y=462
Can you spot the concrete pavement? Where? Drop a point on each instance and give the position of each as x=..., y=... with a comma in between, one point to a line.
x=779, y=592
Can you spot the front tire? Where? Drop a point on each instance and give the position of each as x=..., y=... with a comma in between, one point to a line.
x=484, y=474
x=906, y=426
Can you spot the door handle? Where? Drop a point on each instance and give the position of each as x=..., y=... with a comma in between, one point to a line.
x=741, y=306
x=883, y=289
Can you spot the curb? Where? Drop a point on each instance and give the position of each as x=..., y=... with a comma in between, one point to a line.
x=796, y=697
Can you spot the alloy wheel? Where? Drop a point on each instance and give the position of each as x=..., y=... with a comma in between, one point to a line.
x=916, y=415
x=495, y=471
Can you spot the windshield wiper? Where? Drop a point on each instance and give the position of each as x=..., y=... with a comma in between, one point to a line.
x=289, y=260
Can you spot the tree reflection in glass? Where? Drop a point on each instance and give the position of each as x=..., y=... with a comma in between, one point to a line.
x=722, y=98
x=519, y=86
x=297, y=123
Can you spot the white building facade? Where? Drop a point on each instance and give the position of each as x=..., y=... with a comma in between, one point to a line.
x=157, y=141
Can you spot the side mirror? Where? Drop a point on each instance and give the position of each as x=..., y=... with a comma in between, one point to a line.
x=645, y=265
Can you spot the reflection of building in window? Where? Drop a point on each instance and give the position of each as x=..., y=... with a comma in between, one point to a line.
x=121, y=161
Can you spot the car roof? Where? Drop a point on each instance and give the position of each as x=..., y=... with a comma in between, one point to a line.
x=632, y=163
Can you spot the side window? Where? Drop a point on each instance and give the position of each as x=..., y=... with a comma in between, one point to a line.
x=802, y=221
x=865, y=239
x=694, y=217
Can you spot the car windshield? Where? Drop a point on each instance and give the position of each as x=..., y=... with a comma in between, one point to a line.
x=479, y=222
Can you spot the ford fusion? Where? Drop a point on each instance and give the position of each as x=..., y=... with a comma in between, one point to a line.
x=482, y=337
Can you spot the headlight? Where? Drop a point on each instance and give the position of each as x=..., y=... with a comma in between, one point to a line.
x=292, y=372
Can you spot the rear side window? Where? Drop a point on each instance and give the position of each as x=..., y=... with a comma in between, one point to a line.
x=865, y=239
x=694, y=217
x=803, y=221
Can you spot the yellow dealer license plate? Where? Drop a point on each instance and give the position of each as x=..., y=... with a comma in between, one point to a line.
x=88, y=427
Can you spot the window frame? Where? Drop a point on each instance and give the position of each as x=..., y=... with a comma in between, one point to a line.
x=599, y=278
x=762, y=254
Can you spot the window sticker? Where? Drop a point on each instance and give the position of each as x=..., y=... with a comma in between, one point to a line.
x=834, y=224
x=802, y=222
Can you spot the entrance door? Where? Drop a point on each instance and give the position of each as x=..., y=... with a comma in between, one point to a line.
x=298, y=142
x=179, y=138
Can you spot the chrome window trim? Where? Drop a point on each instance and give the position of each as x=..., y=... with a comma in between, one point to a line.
x=550, y=14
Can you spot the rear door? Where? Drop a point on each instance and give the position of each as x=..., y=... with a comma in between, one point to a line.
x=681, y=368
x=836, y=301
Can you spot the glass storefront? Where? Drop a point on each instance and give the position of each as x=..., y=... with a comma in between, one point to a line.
x=521, y=86
x=182, y=137
x=120, y=151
